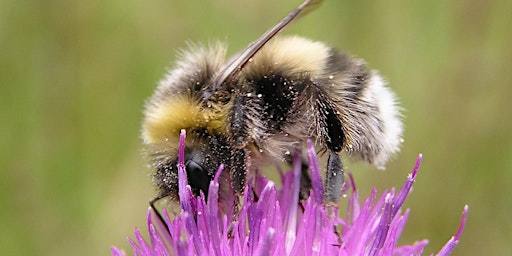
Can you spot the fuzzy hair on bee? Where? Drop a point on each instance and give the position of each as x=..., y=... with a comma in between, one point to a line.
x=264, y=103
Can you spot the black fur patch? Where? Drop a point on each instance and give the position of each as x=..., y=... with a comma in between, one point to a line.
x=277, y=96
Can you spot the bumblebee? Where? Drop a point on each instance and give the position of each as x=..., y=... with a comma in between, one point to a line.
x=264, y=103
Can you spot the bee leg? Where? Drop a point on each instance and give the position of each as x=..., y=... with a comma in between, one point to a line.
x=333, y=188
x=238, y=122
x=238, y=173
x=333, y=180
x=305, y=182
x=334, y=139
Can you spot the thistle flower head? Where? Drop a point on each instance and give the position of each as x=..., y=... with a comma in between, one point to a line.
x=271, y=221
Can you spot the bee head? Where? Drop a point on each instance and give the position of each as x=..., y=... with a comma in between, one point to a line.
x=204, y=153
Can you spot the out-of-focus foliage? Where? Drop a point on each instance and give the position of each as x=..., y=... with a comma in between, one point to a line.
x=74, y=76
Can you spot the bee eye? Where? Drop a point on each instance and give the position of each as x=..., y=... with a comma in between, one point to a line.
x=198, y=177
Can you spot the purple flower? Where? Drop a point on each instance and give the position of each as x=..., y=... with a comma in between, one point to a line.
x=273, y=223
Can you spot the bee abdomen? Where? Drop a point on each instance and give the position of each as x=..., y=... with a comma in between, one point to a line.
x=367, y=108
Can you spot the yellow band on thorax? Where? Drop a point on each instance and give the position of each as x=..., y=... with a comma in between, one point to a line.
x=165, y=120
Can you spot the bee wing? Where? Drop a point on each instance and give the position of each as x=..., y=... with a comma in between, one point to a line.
x=237, y=63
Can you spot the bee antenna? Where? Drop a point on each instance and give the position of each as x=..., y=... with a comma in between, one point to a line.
x=157, y=212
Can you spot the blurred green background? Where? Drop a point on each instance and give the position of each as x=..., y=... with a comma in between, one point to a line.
x=74, y=76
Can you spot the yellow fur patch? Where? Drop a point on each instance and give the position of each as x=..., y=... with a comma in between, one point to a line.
x=165, y=120
x=294, y=54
